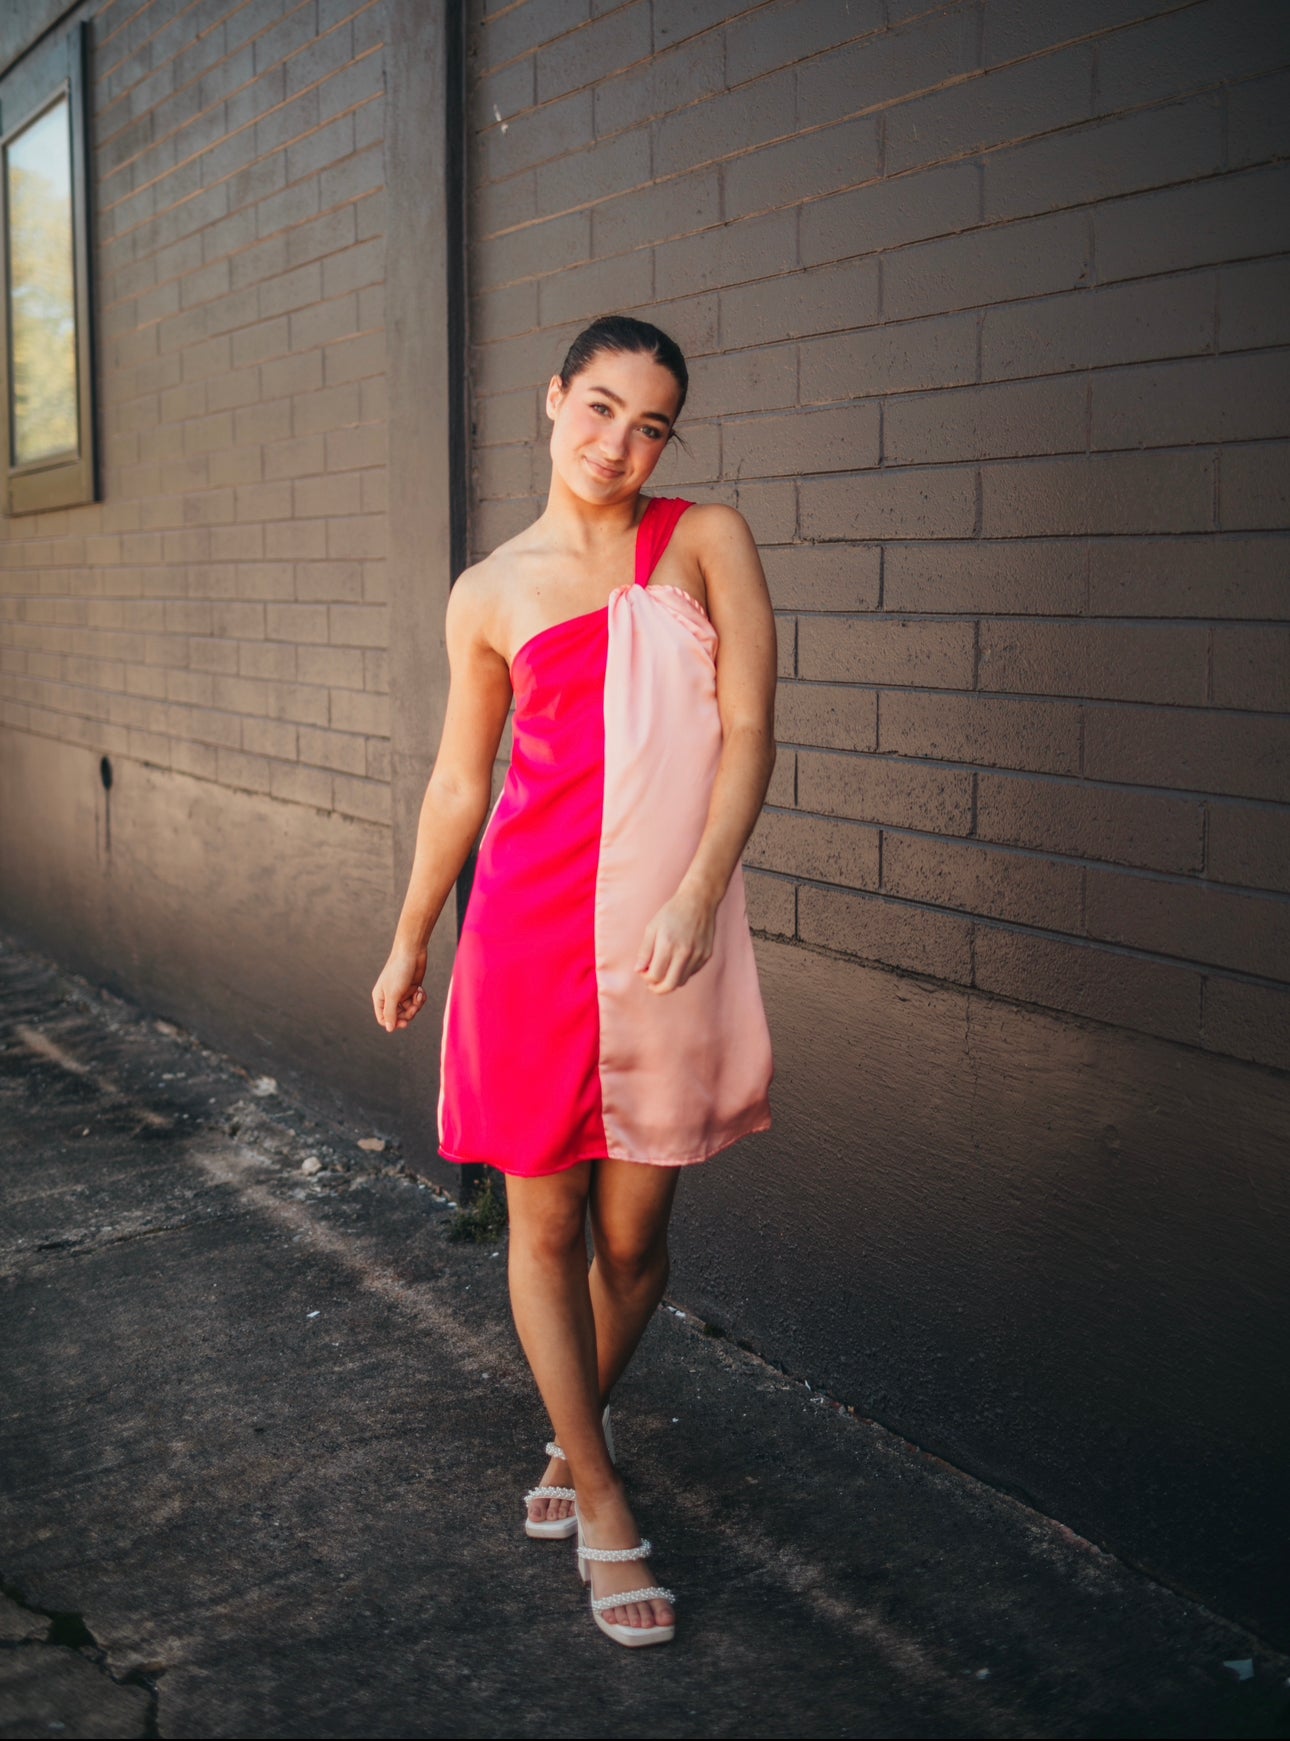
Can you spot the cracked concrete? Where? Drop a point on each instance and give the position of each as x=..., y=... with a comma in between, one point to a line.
x=266, y=1433
x=58, y=1681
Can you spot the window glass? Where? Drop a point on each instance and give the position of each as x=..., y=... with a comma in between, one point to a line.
x=42, y=289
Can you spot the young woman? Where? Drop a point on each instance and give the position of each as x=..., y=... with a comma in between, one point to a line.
x=604, y=1025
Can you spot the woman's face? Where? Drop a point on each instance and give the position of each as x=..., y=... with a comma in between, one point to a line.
x=611, y=426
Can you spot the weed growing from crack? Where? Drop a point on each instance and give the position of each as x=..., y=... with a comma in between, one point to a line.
x=481, y=1220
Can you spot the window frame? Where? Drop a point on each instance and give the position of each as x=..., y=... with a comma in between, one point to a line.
x=67, y=479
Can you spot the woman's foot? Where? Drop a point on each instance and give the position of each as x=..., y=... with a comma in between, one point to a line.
x=557, y=1508
x=551, y=1510
x=612, y=1526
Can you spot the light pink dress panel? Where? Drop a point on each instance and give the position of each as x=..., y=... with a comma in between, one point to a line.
x=683, y=1073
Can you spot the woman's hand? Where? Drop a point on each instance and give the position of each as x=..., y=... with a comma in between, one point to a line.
x=398, y=994
x=677, y=941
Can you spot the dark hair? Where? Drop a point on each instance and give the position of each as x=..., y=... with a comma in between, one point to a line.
x=623, y=332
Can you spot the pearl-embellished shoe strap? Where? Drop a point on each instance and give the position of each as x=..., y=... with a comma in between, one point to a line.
x=640, y=1552
x=655, y=1593
x=550, y=1493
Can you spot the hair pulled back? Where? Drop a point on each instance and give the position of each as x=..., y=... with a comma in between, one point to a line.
x=624, y=333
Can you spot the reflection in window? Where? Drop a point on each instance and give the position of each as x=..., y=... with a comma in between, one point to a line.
x=42, y=288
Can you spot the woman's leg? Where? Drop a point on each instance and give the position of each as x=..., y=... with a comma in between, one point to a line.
x=551, y=1302
x=631, y=1205
x=550, y=1299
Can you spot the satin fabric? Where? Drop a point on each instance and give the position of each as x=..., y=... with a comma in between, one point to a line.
x=554, y=1048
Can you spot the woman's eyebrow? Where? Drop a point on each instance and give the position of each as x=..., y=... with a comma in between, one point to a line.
x=610, y=394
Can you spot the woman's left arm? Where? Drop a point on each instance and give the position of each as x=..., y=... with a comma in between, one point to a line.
x=678, y=940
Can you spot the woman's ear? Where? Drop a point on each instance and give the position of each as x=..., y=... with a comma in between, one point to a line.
x=554, y=395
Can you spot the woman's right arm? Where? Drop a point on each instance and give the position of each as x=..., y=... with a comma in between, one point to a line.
x=456, y=796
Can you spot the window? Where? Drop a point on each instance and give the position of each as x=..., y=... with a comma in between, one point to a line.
x=45, y=361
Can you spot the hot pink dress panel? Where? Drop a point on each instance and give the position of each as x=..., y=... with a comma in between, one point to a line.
x=555, y=1050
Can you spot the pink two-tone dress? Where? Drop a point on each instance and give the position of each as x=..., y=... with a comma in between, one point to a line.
x=555, y=1050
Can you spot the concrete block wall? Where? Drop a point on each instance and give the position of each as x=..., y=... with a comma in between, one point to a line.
x=221, y=613
x=987, y=305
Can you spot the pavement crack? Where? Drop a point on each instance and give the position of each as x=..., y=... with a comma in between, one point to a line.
x=84, y=1246
x=66, y=1629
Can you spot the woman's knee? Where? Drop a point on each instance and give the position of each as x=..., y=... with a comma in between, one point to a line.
x=629, y=1258
x=551, y=1238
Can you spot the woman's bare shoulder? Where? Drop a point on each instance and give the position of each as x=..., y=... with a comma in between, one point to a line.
x=720, y=541
x=714, y=526
x=473, y=610
x=481, y=590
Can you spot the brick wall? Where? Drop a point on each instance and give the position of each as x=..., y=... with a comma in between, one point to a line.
x=222, y=611
x=987, y=307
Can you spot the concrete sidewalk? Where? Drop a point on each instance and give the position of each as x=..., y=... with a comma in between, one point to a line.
x=266, y=1432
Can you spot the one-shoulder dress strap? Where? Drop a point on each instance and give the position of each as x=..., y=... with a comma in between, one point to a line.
x=655, y=529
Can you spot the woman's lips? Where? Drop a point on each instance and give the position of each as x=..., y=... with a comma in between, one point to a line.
x=603, y=470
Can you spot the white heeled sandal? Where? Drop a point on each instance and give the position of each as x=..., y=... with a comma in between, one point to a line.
x=559, y=1529
x=629, y=1635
